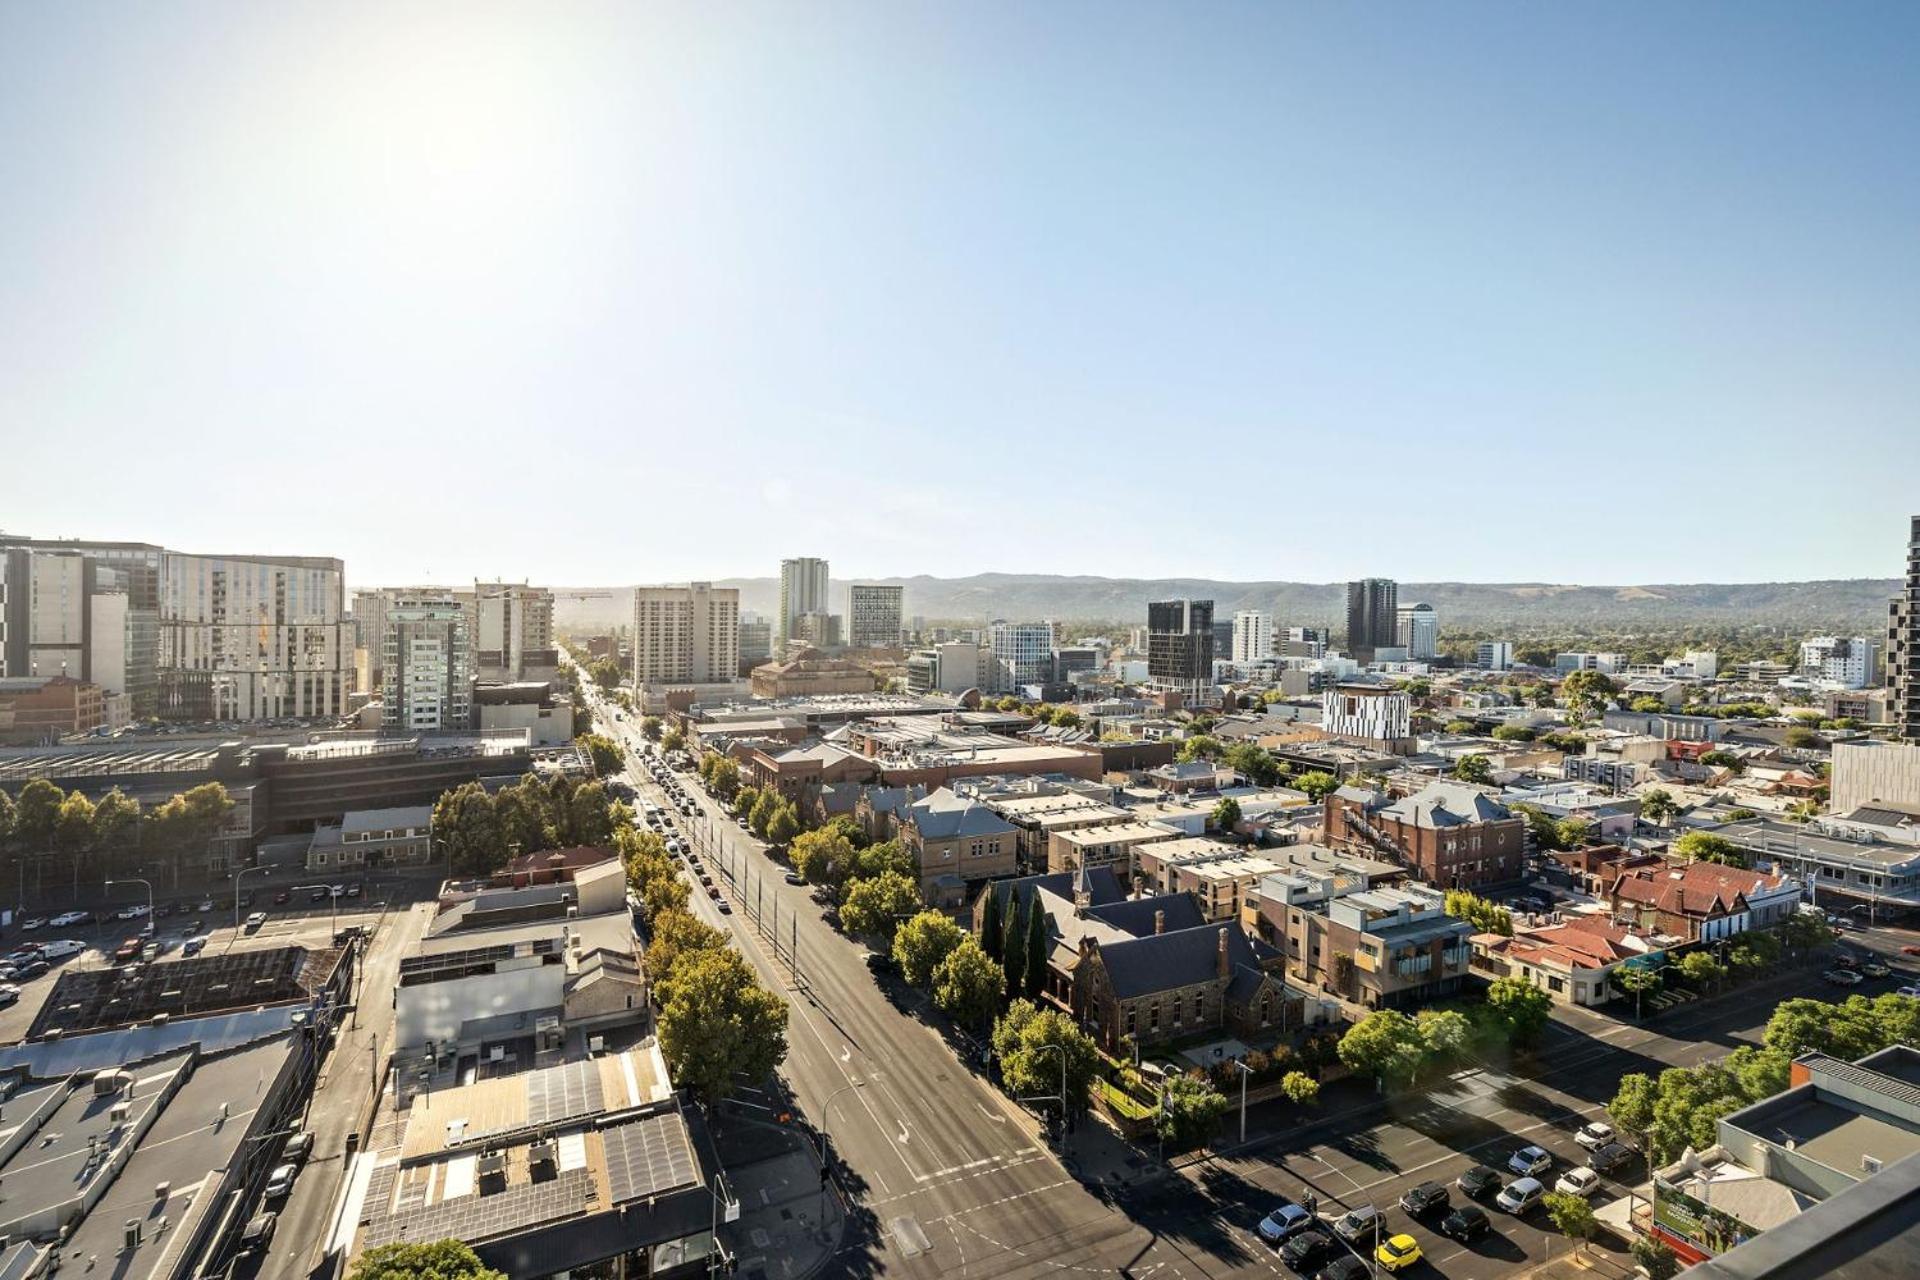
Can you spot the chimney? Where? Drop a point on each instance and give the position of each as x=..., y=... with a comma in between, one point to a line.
x=1221, y=954
x=1159, y=922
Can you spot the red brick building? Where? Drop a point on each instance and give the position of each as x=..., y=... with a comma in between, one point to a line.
x=1448, y=834
x=36, y=708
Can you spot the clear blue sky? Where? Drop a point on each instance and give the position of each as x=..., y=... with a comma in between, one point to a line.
x=639, y=292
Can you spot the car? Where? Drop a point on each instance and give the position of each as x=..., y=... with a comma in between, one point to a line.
x=280, y=1181
x=1842, y=977
x=1465, y=1224
x=1874, y=969
x=881, y=962
x=255, y=920
x=1578, y=1182
x=1287, y=1219
x=195, y=945
x=66, y=918
x=726, y=908
x=1478, y=1183
x=318, y=895
x=832, y=916
x=1344, y=1268
x=206, y=905
x=129, y=913
x=61, y=948
x=1910, y=950
x=706, y=879
x=1397, y=1253
x=1428, y=1197
x=1362, y=1224
x=128, y=951
x=31, y=969
x=1528, y=1161
x=282, y=898
x=1520, y=1195
x=1307, y=1248
x=9, y=994
x=353, y=891
x=336, y=891
x=298, y=1147
x=258, y=1233
x=1911, y=989
x=1594, y=1135
x=713, y=891
x=1615, y=1155
x=794, y=877
x=35, y=923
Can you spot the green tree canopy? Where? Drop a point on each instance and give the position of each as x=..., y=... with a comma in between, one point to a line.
x=784, y=825
x=1572, y=1216
x=1487, y=917
x=922, y=943
x=1386, y=1043
x=1521, y=1007
x=1226, y=814
x=718, y=1024
x=873, y=908
x=1704, y=846
x=607, y=755
x=822, y=857
x=674, y=937
x=967, y=985
x=1473, y=767
x=1190, y=1110
x=1031, y=1066
x=1316, y=783
x=1300, y=1088
x=438, y=1260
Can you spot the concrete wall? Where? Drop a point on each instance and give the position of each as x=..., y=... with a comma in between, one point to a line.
x=435, y=1010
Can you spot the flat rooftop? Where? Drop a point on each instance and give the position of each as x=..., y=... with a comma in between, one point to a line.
x=1118, y=833
x=1836, y=1136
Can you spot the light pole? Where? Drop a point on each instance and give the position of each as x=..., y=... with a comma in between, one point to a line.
x=237, y=876
x=1062, y=1051
x=1245, y=1071
x=333, y=903
x=826, y=1114
x=149, y=884
x=717, y=1188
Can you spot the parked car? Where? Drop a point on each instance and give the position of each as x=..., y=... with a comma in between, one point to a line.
x=1286, y=1220
x=794, y=877
x=298, y=1147
x=61, y=948
x=353, y=891
x=1397, y=1253
x=1615, y=1155
x=1520, y=1195
x=318, y=895
x=725, y=907
x=255, y=920
x=206, y=905
x=1528, y=1161
x=194, y=946
x=280, y=1181
x=282, y=898
x=1842, y=977
x=1594, y=1135
x=1308, y=1248
x=128, y=951
x=30, y=925
x=1874, y=969
x=31, y=969
x=1428, y=1197
x=9, y=994
x=880, y=962
x=258, y=1233
x=1479, y=1183
x=1465, y=1224
x=1578, y=1182
x=1359, y=1226
x=713, y=891
x=66, y=918
x=1343, y=1268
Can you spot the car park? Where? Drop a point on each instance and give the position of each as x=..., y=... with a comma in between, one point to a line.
x=280, y=1181
x=1578, y=1182
x=1397, y=1253
x=1359, y=1226
x=1594, y=1135
x=1478, y=1183
x=1530, y=1161
x=1308, y=1248
x=1427, y=1198
x=1612, y=1156
x=1287, y=1219
x=1466, y=1224
x=1520, y=1195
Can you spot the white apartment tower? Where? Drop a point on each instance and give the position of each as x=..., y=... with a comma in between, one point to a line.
x=873, y=616
x=1418, y=632
x=1851, y=662
x=1252, y=636
x=1494, y=655
x=427, y=663
x=513, y=632
x=687, y=635
x=803, y=590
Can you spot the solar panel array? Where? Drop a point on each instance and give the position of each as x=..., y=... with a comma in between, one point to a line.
x=484, y=1217
x=560, y=1093
x=647, y=1156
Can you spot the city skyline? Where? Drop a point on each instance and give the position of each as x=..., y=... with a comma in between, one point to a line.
x=1555, y=258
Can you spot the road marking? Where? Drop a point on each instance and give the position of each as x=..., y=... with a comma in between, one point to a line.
x=988, y=1114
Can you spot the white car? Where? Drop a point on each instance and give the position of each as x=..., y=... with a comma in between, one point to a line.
x=66, y=918
x=1842, y=977
x=1595, y=1135
x=59, y=948
x=1578, y=1182
x=1520, y=1195
x=35, y=923
x=255, y=920
x=1529, y=1161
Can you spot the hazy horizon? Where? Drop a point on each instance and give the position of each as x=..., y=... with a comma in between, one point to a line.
x=586, y=295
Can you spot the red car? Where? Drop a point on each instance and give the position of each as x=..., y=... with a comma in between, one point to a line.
x=1910, y=951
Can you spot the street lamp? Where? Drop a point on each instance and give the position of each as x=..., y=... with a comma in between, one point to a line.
x=1062, y=1051
x=244, y=871
x=333, y=901
x=1245, y=1071
x=139, y=880
x=826, y=1114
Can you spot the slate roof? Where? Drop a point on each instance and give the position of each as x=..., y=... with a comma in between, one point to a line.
x=1106, y=887
x=944, y=816
x=1135, y=915
x=1162, y=962
x=1446, y=804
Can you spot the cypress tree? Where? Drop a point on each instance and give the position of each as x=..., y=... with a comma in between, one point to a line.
x=1036, y=966
x=990, y=924
x=1013, y=950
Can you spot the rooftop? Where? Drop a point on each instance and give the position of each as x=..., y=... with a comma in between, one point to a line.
x=96, y=999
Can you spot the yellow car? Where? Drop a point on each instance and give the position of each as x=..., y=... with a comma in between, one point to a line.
x=1398, y=1253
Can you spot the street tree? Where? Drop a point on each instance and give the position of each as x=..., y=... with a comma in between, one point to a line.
x=73, y=827
x=718, y=1025
x=887, y=855
x=1190, y=1110
x=650, y=727
x=1522, y=1007
x=674, y=936
x=1031, y=1066
x=1701, y=969
x=1572, y=1216
x=764, y=807
x=784, y=825
x=116, y=822
x=920, y=944
x=1657, y=805
x=1300, y=1088
x=1638, y=982
x=874, y=908
x=1655, y=1257
x=36, y=812
x=1632, y=1105
x=437, y=1260
x=1386, y=1044
x=607, y=755
x=823, y=857
x=723, y=779
x=967, y=985
x=1445, y=1032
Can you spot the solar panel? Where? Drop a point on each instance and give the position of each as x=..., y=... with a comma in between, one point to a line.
x=483, y=1217
x=559, y=1093
x=647, y=1156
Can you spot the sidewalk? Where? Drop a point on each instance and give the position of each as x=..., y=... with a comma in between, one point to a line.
x=1596, y=1262
x=790, y=1224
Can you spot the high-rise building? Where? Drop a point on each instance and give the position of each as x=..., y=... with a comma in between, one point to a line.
x=1852, y=662
x=803, y=589
x=1252, y=636
x=950, y=667
x=756, y=641
x=873, y=616
x=1302, y=642
x=1024, y=650
x=1417, y=630
x=513, y=632
x=1903, y=647
x=1373, y=617
x=86, y=611
x=1180, y=643
x=253, y=637
x=370, y=632
x=1494, y=655
x=686, y=635
x=427, y=663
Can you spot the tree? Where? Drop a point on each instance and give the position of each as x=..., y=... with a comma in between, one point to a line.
x=1487, y=917
x=606, y=673
x=1034, y=970
x=990, y=925
x=1513, y=733
x=1655, y=1258
x=1638, y=982
x=1521, y=1006
x=116, y=822
x=1632, y=1105
x=675, y=936
x=1701, y=969
x=1300, y=1088
x=967, y=985
x=743, y=801
x=521, y=812
x=73, y=826
x=1445, y=1032
x=36, y=812
x=1030, y=1064
x=1473, y=767
x=1226, y=815
x=1585, y=692
x=1013, y=949
x=466, y=832
x=1704, y=846
x=784, y=824
x=1724, y=760
x=1572, y=1216
x=1571, y=833
x=873, y=907
x=1200, y=747
x=588, y=816
x=724, y=779
x=1755, y=951
x=1190, y=1109
x=1657, y=805
x=440, y=1260
x=822, y=857
x=922, y=943
x=1801, y=738
x=1254, y=763
x=1647, y=705
x=650, y=727
x=672, y=740
x=607, y=755
x=887, y=855
x=717, y=1024
x=1386, y=1044
x=764, y=808
x=1316, y=783
x=1459, y=726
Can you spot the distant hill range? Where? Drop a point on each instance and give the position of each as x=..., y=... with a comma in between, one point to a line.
x=1853, y=605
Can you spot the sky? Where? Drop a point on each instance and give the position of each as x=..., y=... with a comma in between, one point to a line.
x=615, y=293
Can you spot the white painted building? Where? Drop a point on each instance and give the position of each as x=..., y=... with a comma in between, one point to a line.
x=686, y=635
x=426, y=664
x=1494, y=655
x=1848, y=662
x=1252, y=637
x=1417, y=630
x=1371, y=713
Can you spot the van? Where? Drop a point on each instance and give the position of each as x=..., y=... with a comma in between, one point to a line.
x=61, y=948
